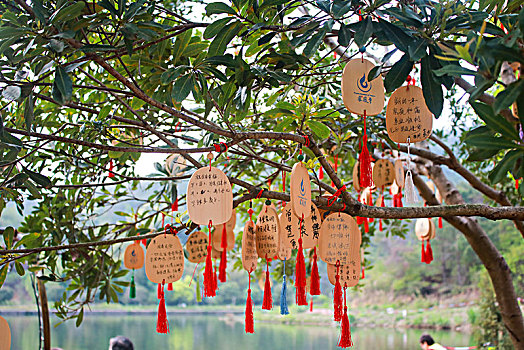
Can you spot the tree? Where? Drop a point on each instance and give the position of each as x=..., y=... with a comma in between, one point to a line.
x=89, y=88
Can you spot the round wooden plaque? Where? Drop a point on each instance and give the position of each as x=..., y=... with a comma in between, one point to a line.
x=399, y=173
x=134, y=256
x=290, y=226
x=267, y=232
x=209, y=197
x=5, y=334
x=196, y=247
x=164, y=259
x=366, y=196
x=383, y=173
x=335, y=238
x=300, y=191
x=284, y=249
x=249, y=247
x=349, y=274
x=358, y=93
x=423, y=228
x=217, y=234
x=215, y=254
x=408, y=116
x=356, y=176
x=432, y=230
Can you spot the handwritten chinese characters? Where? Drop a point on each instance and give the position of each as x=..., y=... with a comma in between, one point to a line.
x=399, y=173
x=209, y=196
x=335, y=238
x=267, y=232
x=196, y=247
x=383, y=173
x=300, y=191
x=407, y=115
x=290, y=227
x=349, y=274
x=134, y=256
x=358, y=93
x=164, y=259
x=249, y=248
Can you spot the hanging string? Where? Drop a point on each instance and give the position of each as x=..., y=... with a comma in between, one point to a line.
x=335, y=196
x=132, y=287
x=111, y=166
x=337, y=295
x=365, y=160
x=249, y=320
x=223, y=258
x=283, y=294
x=283, y=203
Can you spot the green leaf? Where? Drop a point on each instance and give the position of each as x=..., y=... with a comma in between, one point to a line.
x=27, y=240
x=219, y=7
x=314, y=43
x=406, y=16
x=32, y=189
x=29, y=111
x=490, y=142
x=9, y=236
x=19, y=268
x=398, y=73
x=64, y=83
x=493, y=121
x=97, y=48
x=418, y=49
x=12, y=32
x=266, y=38
x=454, y=70
x=216, y=27
x=10, y=140
x=171, y=74
x=431, y=89
x=182, y=88
x=344, y=35
x=194, y=49
x=363, y=34
x=3, y=274
x=319, y=129
x=398, y=36
x=223, y=38
x=67, y=12
x=40, y=179
x=506, y=97
x=500, y=171
x=80, y=317
x=375, y=72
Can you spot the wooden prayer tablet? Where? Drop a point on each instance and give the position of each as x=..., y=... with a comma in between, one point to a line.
x=217, y=234
x=300, y=191
x=164, y=259
x=262, y=281
x=215, y=254
x=267, y=232
x=5, y=334
x=335, y=238
x=438, y=196
x=383, y=173
x=408, y=116
x=366, y=196
x=284, y=249
x=358, y=93
x=209, y=197
x=196, y=247
x=349, y=274
x=423, y=228
x=290, y=226
x=399, y=173
x=356, y=176
x=134, y=256
x=432, y=229
x=249, y=247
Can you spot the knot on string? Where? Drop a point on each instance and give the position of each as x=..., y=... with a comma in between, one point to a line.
x=335, y=196
x=178, y=127
x=308, y=142
x=220, y=147
x=170, y=229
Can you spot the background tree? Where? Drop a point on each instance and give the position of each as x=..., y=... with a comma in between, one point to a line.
x=90, y=88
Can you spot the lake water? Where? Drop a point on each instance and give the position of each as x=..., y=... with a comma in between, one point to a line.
x=214, y=332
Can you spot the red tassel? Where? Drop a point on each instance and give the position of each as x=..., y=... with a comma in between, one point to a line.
x=439, y=222
x=174, y=205
x=209, y=289
x=249, y=322
x=365, y=161
x=321, y=173
x=170, y=286
x=516, y=183
x=400, y=205
x=423, y=254
x=162, y=325
x=360, y=220
x=337, y=296
x=363, y=273
x=300, y=276
x=159, y=291
x=429, y=253
x=267, y=304
x=223, y=258
x=345, y=330
x=314, y=288
x=311, y=304
x=380, y=225
x=111, y=173
x=366, y=225
x=215, y=280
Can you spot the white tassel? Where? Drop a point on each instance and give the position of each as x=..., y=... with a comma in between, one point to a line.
x=410, y=196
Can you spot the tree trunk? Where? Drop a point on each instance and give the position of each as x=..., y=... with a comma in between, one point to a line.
x=498, y=270
x=45, y=314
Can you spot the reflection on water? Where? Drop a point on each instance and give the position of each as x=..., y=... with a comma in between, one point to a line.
x=210, y=332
